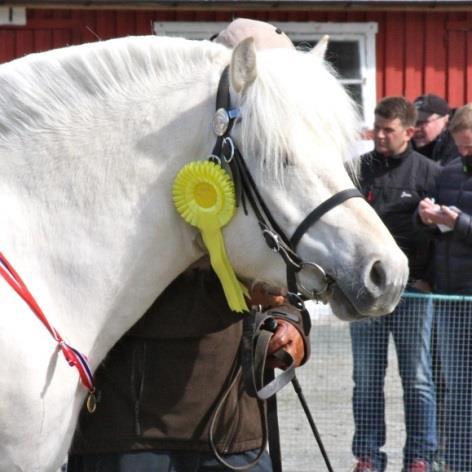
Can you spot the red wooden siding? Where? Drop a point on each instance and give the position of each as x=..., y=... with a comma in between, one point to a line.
x=417, y=52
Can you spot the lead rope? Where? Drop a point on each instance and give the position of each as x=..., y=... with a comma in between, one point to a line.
x=253, y=353
x=214, y=419
x=298, y=389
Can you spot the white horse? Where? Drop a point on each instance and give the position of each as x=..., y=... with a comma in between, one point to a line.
x=91, y=138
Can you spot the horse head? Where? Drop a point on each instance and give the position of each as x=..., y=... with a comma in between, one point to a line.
x=295, y=131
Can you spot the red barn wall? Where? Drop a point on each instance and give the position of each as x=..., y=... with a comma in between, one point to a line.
x=416, y=51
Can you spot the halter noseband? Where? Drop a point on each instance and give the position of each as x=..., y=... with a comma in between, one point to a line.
x=226, y=153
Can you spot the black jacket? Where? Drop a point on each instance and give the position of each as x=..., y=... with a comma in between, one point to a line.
x=394, y=186
x=442, y=150
x=453, y=249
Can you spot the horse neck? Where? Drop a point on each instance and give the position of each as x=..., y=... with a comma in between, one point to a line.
x=90, y=223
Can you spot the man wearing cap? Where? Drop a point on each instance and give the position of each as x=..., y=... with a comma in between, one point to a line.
x=175, y=376
x=431, y=137
x=449, y=218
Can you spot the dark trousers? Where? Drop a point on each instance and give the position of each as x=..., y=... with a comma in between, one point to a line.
x=163, y=461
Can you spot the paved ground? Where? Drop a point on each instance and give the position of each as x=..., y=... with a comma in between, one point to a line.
x=327, y=385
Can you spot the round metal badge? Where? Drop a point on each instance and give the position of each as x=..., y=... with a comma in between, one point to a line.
x=220, y=122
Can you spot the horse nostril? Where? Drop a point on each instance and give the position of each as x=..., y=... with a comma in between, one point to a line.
x=377, y=276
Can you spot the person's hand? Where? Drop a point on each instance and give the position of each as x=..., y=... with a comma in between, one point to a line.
x=422, y=286
x=428, y=210
x=431, y=213
x=262, y=294
x=286, y=337
x=447, y=217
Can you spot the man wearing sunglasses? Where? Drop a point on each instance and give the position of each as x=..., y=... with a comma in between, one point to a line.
x=431, y=137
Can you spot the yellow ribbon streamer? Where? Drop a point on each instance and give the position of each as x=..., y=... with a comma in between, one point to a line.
x=204, y=196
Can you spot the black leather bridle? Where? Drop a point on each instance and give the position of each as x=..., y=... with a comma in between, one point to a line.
x=226, y=153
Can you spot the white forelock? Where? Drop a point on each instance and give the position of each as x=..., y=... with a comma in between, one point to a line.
x=296, y=92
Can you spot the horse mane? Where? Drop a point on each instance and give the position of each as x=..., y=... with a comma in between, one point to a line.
x=42, y=91
x=279, y=112
x=40, y=88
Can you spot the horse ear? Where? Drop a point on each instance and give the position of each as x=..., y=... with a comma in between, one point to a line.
x=320, y=49
x=243, y=65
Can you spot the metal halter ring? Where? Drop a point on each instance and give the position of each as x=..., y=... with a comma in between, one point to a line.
x=229, y=141
x=319, y=273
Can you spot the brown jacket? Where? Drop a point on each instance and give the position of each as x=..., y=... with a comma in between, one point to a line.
x=159, y=385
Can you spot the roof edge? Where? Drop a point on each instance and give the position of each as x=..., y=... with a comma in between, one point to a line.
x=424, y=5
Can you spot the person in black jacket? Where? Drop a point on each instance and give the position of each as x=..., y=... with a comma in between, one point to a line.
x=432, y=138
x=450, y=215
x=394, y=179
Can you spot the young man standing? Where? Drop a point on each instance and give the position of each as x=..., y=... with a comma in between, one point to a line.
x=394, y=179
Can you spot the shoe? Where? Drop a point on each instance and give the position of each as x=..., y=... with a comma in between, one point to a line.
x=365, y=464
x=419, y=465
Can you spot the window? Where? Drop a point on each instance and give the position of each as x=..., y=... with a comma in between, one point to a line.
x=12, y=15
x=351, y=50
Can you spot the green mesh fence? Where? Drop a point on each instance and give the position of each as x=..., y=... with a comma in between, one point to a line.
x=327, y=383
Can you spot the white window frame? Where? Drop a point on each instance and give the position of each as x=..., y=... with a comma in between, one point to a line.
x=364, y=33
x=13, y=16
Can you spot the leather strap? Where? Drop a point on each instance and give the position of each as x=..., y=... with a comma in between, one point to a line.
x=312, y=218
x=254, y=348
x=214, y=419
x=260, y=381
x=320, y=210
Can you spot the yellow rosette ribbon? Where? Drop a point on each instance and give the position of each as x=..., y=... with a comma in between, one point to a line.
x=204, y=196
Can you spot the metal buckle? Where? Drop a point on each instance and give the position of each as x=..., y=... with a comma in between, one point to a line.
x=296, y=300
x=270, y=236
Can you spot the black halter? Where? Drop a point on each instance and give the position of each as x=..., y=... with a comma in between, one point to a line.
x=226, y=153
